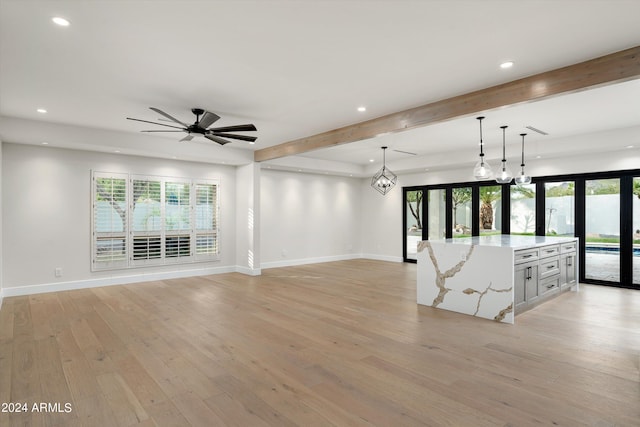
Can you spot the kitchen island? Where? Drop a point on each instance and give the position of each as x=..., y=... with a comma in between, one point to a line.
x=495, y=276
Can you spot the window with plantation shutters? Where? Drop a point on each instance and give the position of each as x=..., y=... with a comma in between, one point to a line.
x=110, y=220
x=149, y=220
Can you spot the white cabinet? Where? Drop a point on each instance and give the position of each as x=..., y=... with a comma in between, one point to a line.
x=542, y=272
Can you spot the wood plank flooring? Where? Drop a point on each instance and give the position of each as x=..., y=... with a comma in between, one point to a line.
x=335, y=344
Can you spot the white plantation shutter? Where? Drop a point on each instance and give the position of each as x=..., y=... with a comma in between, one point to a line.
x=146, y=220
x=109, y=221
x=149, y=220
x=206, y=220
x=178, y=207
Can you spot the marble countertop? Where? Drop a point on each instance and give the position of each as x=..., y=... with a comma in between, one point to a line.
x=507, y=240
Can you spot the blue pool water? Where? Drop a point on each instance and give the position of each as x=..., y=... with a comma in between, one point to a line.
x=614, y=250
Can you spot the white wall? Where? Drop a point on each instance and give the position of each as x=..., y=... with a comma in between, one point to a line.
x=308, y=217
x=248, y=219
x=1, y=268
x=47, y=209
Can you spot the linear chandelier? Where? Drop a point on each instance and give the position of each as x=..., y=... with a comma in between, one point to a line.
x=384, y=180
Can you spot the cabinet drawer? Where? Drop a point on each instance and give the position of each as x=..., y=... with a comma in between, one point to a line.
x=550, y=284
x=549, y=267
x=525, y=255
x=568, y=247
x=547, y=251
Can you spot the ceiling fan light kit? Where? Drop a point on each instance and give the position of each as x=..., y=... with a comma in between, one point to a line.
x=384, y=180
x=204, y=119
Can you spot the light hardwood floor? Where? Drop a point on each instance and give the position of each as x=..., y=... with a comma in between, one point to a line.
x=340, y=343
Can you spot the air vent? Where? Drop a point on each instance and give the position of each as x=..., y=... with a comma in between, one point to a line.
x=541, y=132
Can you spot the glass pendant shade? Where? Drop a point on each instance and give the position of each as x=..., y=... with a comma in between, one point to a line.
x=504, y=176
x=523, y=178
x=384, y=180
x=482, y=170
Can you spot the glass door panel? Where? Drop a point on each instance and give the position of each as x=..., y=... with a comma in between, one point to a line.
x=523, y=209
x=490, y=209
x=602, y=229
x=559, y=208
x=413, y=222
x=436, y=205
x=461, y=212
x=636, y=231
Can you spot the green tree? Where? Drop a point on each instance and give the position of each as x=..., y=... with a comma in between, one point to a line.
x=488, y=196
x=459, y=196
x=415, y=197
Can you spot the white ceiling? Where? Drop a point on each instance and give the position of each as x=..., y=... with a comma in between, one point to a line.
x=297, y=68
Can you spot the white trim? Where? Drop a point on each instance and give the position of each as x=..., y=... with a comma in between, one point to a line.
x=378, y=257
x=304, y=261
x=1, y=297
x=109, y=281
x=248, y=271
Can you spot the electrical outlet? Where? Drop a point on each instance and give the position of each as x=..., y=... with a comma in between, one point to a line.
x=58, y=271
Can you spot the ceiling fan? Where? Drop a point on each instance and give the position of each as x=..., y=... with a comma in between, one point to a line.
x=204, y=119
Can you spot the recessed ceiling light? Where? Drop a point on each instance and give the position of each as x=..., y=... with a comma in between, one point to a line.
x=362, y=109
x=116, y=151
x=45, y=143
x=371, y=160
x=538, y=157
x=58, y=20
x=252, y=143
x=506, y=64
x=629, y=146
x=41, y=111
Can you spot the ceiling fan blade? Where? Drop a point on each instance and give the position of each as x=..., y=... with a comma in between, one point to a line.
x=232, y=136
x=168, y=116
x=406, y=152
x=154, y=123
x=217, y=139
x=236, y=128
x=187, y=138
x=207, y=119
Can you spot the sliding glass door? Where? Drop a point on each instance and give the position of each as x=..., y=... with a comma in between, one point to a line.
x=413, y=222
x=602, y=229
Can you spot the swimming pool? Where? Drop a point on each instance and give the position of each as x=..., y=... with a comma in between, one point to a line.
x=613, y=250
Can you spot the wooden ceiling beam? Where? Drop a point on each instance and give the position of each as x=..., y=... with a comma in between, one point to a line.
x=613, y=68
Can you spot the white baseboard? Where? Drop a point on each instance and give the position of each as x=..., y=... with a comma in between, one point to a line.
x=165, y=275
x=248, y=271
x=112, y=280
x=378, y=257
x=303, y=261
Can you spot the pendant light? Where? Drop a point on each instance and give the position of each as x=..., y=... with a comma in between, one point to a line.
x=523, y=178
x=482, y=170
x=505, y=175
x=384, y=180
